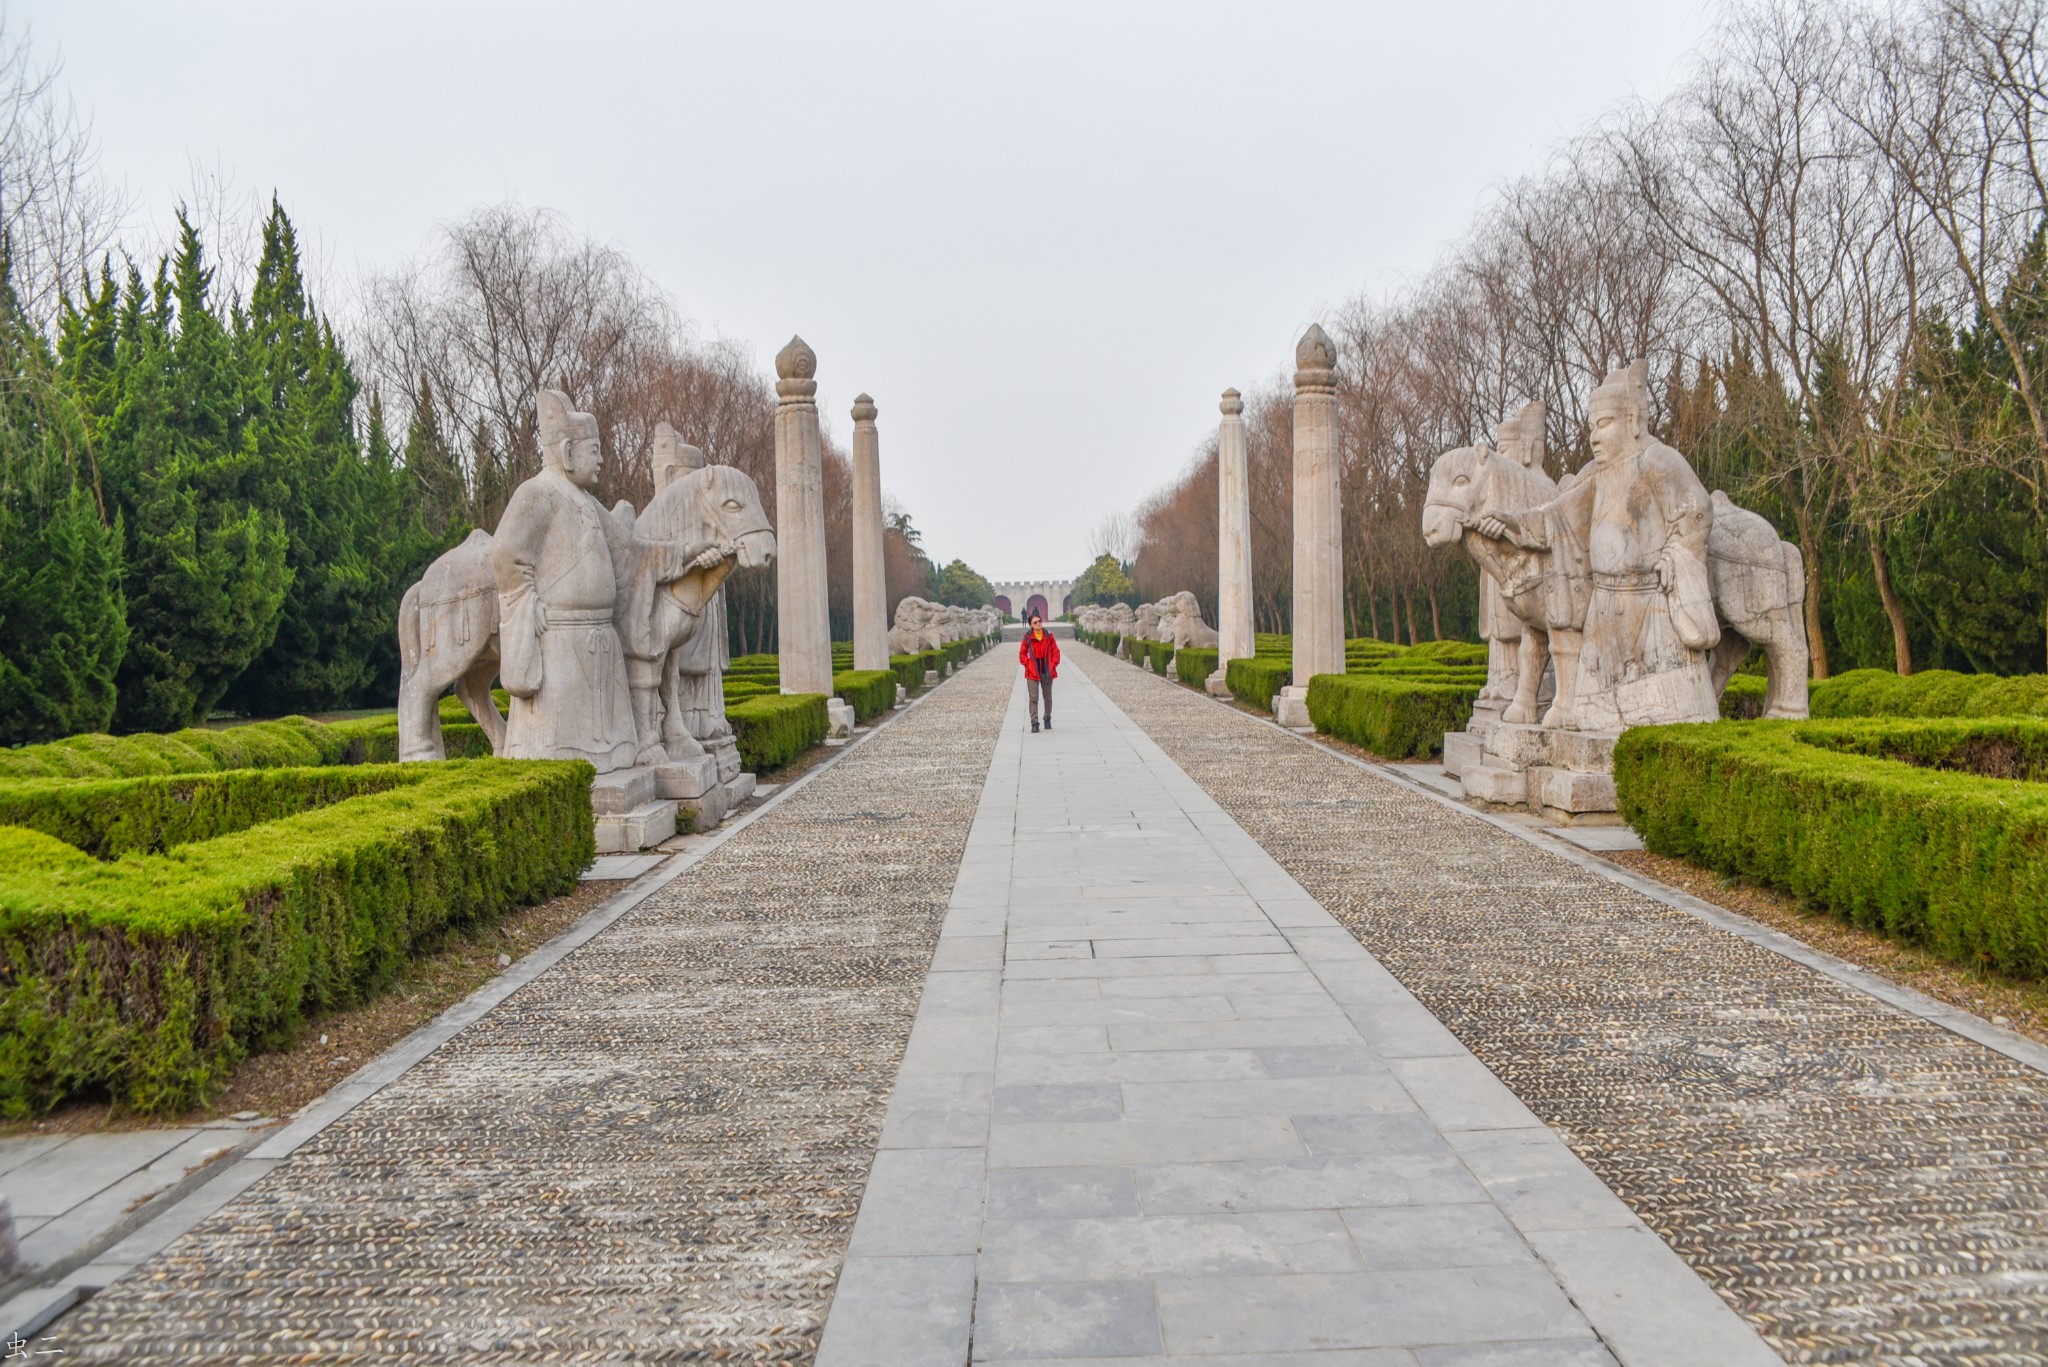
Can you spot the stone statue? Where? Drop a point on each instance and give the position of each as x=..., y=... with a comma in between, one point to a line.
x=1146, y=627
x=1188, y=627
x=1521, y=440
x=906, y=635
x=1644, y=590
x=575, y=608
x=674, y=628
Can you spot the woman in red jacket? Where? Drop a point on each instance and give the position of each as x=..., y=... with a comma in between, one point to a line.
x=1040, y=656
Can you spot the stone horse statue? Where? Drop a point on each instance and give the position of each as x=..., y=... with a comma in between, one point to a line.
x=448, y=621
x=1758, y=582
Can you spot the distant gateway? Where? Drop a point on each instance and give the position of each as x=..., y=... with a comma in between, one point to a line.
x=1021, y=597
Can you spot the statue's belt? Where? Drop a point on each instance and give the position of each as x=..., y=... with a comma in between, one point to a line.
x=579, y=617
x=1630, y=581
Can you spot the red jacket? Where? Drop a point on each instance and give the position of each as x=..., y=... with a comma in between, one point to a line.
x=1036, y=654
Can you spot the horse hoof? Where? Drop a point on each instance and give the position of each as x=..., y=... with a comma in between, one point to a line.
x=1516, y=716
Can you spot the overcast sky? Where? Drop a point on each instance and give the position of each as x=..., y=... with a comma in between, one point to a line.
x=1044, y=236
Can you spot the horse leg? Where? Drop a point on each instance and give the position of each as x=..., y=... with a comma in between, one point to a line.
x=676, y=738
x=1532, y=651
x=1728, y=656
x=1564, y=654
x=1790, y=663
x=643, y=677
x=419, y=691
x=474, y=688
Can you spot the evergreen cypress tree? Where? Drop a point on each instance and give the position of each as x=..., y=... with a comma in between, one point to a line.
x=337, y=507
x=63, y=625
x=437, y=477
x=205, y=564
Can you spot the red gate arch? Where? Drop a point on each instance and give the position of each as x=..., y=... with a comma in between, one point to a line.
x=1036, y=603
x=1003, y=604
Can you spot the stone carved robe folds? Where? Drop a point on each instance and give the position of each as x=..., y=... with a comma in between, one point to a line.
x=1646, y=653
x=561, y=659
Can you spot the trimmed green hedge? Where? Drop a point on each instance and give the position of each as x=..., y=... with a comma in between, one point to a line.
x=1866, y=818
x=870, y=692
x=1398, y=718
x=148, y=976
x=1935, y=693
x=775, y=728
x=1104, y=641
x=1744, y=697
x=258, y=745
x=1256, y=680
x=1195, y=664
x=909, y=670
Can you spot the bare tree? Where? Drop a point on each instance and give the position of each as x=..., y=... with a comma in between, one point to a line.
x=60, y=217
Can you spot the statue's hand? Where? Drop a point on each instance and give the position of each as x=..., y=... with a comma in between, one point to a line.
x=1667, y=573
x=711, y=556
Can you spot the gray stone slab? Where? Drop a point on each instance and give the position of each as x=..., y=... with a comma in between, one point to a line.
x=1538, y=1182
x=72, y=1173
x=1365, y=1309
x=951, y=1044
x=15, y=1152
x=1418, y=1176
x=1116, y=1248
x=900, y=1312
x=1459, y=1092
x=1124, y=1142
x=1191, y=944
x=920, y=1202
x=1344, y=1094
x=1231, y=985
x=968, y=952
x=1553, y=1353
x=1119, y=1011
x=1189, y=1065
x=1060, y=1193
x=1053, y=1039
x=1401, y=1238
x=1266, y=1034
x=1055, y=1319
x=1646, y=1303
x=930, y=1110
x=1361, y=1357
x=1322, y=1060
x=1028, y=1103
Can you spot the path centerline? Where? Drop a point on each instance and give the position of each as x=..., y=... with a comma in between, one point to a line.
x=1158, y=1104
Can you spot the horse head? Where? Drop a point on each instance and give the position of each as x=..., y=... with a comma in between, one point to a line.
x=1457, y=483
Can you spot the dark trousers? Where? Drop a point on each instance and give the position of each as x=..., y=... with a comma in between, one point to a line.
x=1034, y=689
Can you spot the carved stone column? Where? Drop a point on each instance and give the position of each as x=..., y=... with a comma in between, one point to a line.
x=1233, y=544
x=1318, y=527
x=802, y=613
x=870, y=588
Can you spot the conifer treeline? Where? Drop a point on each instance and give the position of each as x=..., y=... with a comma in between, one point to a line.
x=191, y=514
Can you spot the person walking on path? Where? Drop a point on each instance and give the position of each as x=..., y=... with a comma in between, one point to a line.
x=1040, y=656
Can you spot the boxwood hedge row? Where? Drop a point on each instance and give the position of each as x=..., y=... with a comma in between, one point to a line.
x=775, y=728
x=1934, y=693
x=1893, y=824
x=870, y=692
x=1194, y=664
x=1392, y=716
x=150, y=974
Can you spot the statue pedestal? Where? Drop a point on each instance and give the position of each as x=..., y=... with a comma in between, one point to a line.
x=838, y=718
x=640, y=807
x=1290, y=709
x=1567, y=776
x=1218, y=683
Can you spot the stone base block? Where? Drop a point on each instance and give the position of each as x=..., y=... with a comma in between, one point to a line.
x=838, y=718
x=622, y=790
x=1218, y=684
x=1511, y=746
x=1509, y=787
x=686, y=778
x=902, y=695
x=1462, y=751
x=1589, y=752
x=1567, y=790
x=708, y=808
x=642, y=828
x=738, y=791
x=1290, y=709
x=726, y=749
x=931, y=677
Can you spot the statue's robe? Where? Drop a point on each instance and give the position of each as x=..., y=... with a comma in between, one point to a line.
x=1646, y=657
x=555, y=546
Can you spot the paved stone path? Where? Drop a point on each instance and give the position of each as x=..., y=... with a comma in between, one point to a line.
x=653, y=1152
x=1863, y=1185
x=1159, y=1106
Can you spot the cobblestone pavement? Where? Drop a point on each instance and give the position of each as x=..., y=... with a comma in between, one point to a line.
x=654, y=1152
x=1862, y=1185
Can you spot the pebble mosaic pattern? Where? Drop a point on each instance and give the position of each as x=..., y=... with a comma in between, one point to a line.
x=1864, y=1186
x=652, y=1153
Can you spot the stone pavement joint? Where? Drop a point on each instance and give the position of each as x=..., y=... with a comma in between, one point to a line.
x=1863, y=1184
x=1158, y=1105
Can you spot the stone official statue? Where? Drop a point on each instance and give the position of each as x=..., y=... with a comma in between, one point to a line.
x=579, y=611
x=1642, y=517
